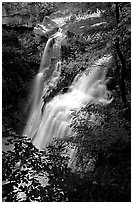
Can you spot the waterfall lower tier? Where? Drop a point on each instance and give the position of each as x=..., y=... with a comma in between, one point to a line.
x=54, y=124
x=55, y=120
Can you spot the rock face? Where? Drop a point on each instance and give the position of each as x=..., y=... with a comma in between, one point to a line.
x=46, y=28
x=25, y=14
x=10, y=18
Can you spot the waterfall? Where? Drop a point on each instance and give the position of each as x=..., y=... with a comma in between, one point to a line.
x=90, y=87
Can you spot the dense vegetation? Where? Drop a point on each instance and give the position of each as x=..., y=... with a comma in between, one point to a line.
x=101, y=171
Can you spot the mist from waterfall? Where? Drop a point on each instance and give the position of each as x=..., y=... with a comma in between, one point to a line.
x=55, y=120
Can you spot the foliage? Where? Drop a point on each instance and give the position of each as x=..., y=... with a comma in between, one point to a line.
x=102, y=137
x=96, y=128
x=33, y=175
x=16, y=73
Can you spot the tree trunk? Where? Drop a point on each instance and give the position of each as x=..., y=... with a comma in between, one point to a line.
x=122, y=74
x=123, y=63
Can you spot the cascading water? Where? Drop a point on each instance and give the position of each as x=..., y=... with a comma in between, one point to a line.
x=56, y=117
x=50, y=64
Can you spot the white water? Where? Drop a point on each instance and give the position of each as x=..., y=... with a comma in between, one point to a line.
x=56, y=117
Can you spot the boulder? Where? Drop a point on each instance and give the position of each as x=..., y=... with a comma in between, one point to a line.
x=46, y=28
